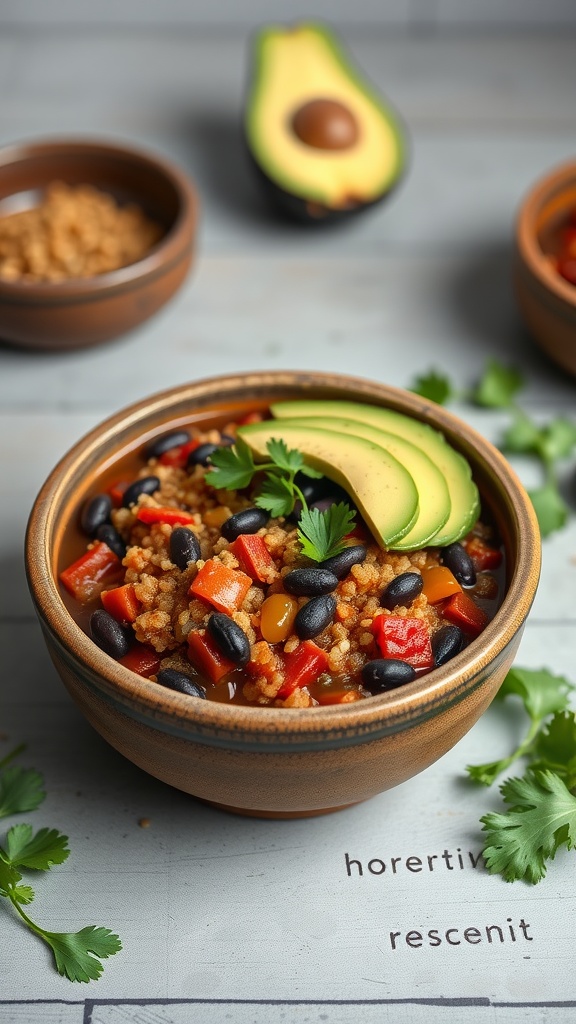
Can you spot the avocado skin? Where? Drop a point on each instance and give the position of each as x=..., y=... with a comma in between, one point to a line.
x=294, y=208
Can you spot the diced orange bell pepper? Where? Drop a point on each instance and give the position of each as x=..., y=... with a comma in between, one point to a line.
x=143, y=660
x=438, y=583
x=90, y=573
x=253, y=555
x=301, y=667
x=121, y=603
x=205, y=656
x=482, y=555
x=222, y=587
x=462, y=611
x=163, y=514
x=404, y=638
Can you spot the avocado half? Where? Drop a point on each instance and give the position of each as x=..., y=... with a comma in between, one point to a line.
x=324, y=142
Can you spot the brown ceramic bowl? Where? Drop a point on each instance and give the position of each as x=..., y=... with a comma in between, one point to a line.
x=547, y=301
x=275, y=761
x=77, y=313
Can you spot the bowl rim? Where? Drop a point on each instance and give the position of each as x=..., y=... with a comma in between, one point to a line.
x=382, y=714
x=166, y=251
x=554, y=182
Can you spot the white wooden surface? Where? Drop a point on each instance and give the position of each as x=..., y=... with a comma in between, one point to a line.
x=241, y=920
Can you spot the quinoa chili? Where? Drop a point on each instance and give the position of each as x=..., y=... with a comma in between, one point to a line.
x=199, y=589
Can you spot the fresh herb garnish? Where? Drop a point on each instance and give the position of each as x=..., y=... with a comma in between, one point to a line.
x=541, y=814
x=542, y=695
x=320, y=533
x=20, y=788
x=77, y=954
x=497, y=389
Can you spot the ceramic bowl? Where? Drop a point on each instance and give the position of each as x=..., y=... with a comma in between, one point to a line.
x=77, y=313
x=546, y=300
x=276, y=762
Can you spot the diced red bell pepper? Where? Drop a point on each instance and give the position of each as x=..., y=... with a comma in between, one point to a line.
x=143, y=660
x=116, y=492
x=253, y=555
x=462, y=611
x=251, y=417
x=404, y=638
x=178, y=457
x=482, y=555
x=122, y=603
x=163, y=514
x=302, y=666
x=205, y=656
x=222, y=587
x=89, y=574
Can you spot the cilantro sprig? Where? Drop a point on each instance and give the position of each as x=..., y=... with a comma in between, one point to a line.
x=541, y=812
x=498, y=388
x=321, y=533
x=77, y=955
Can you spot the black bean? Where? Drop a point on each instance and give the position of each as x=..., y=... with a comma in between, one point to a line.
x=249, y=520
x=310, y=581
x=184, y=547
x=314, y=616
x=109, y=635
x=146, y=485
x=457, y=559
x=165, y=442
x=229, y=637
x=402, y=590
x=446, y=642
x=341, y=564
x=386, y=674
x=95, y=512
x=110, y=536
x=314, y=490
x=200, y=456
x=178, y=681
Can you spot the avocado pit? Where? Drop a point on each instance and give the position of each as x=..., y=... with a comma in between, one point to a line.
x=325, y=124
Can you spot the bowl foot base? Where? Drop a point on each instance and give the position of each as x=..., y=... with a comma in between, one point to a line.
x=251, y=813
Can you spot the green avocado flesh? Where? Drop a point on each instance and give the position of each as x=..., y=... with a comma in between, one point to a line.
x=453, y=467
x=433, y=497
x=382, y=489
x=299, y=65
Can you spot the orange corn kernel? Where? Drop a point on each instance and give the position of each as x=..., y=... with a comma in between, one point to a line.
x=277, y=617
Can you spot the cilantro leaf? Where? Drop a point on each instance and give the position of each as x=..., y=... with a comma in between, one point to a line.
x=40, y=851
x=78, y=954
x=550, y=507
x=497, y=386
x=9, y=876
x=555, y=747
x=22, y=894
x=20, y=790
x=434, y=386
x=275, y=495
x=321, y=533
x=522, y=435
x=558, y=439
x=542, y=694
x=314, y=474
x=231, y=468
x=289, y=459
x=541, y=818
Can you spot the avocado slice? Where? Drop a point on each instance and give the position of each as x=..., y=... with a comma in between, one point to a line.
x=464, y=498
x=383, y=490
x=323, y=140
x=433, y=495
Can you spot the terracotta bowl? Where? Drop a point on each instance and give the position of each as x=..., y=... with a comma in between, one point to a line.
x=77, y=313
x=547, y=301
x=276, y=762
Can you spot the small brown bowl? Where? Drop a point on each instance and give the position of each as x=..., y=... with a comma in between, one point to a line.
x=547, y=301
x=79, y=312
x=276, y=762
